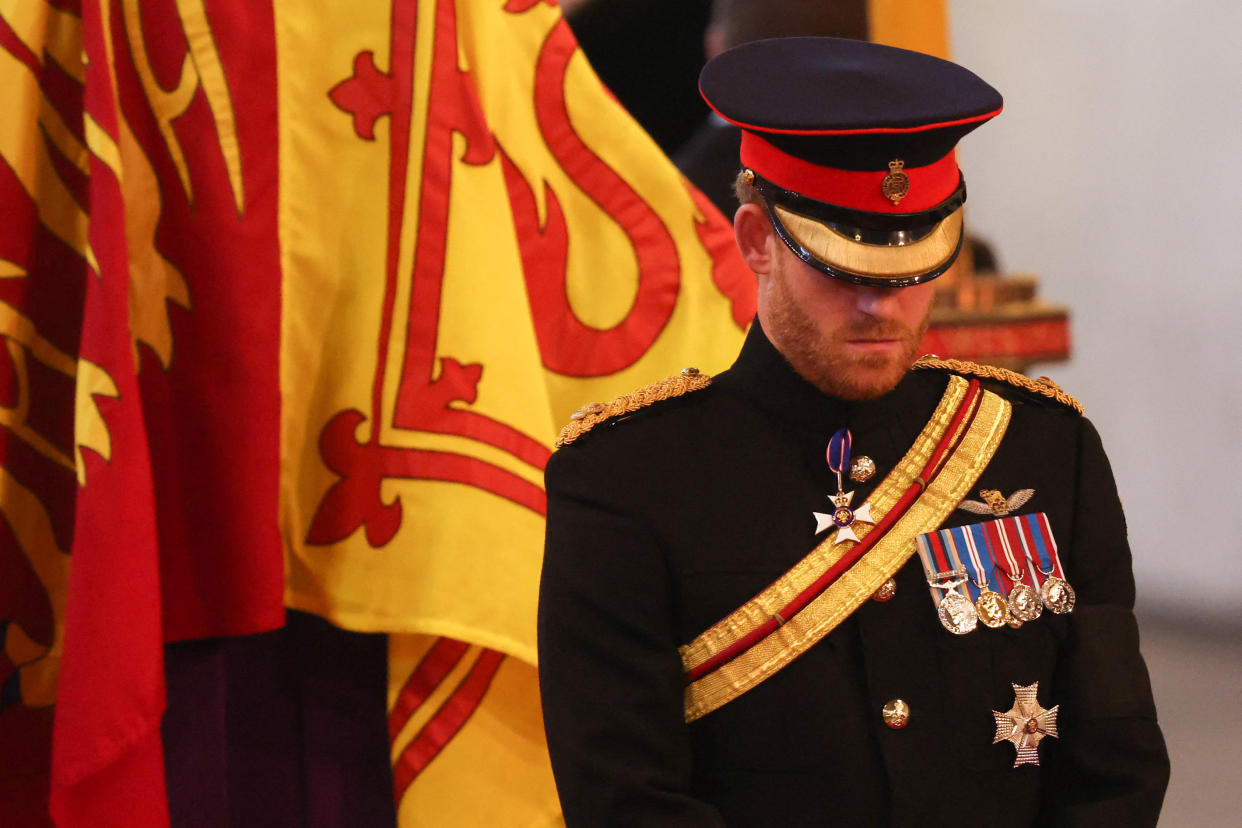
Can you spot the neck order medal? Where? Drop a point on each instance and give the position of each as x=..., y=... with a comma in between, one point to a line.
x=843, y=515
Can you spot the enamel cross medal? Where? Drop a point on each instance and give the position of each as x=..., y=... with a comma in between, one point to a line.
x=843, y=515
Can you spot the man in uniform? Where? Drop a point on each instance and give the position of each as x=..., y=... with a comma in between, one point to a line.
x=835, y=585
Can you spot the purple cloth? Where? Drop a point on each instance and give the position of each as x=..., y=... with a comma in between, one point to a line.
x=287, y=728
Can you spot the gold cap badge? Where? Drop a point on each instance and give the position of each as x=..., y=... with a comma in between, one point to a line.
x=896, y=185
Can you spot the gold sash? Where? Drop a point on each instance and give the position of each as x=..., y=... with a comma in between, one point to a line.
x=961, y=468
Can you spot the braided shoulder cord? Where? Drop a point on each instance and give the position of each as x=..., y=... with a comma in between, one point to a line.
x=592, y=414
x=1042, y=386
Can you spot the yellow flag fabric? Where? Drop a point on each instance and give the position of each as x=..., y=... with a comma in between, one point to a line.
x=320, y=282
x=467, y=737
x=476, y=240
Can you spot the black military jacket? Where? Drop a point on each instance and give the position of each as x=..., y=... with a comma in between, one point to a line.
x=662, y=523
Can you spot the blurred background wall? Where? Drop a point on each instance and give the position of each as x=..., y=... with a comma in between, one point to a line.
x=1111, y=175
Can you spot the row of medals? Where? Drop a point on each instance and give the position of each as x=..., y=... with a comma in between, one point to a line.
x=959, y=615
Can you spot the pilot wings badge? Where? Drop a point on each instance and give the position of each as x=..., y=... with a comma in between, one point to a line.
x=995, y=503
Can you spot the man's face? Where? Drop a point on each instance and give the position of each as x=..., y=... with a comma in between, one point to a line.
x=851, y=341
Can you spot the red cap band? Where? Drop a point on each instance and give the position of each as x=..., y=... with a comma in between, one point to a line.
x=853, y=189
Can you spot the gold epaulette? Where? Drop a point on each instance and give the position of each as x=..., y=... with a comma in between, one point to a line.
x=592, y=414
x=1042, y=386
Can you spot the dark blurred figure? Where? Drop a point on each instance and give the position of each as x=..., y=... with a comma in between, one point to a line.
x=648, y=53
x=710, y=157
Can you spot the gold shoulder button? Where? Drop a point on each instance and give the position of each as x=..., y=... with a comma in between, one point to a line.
x=1041, y=386
x=592, y=414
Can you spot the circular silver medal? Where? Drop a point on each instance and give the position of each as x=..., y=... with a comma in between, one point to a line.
x=1024, y=602
x=1058, y=595
x=957, y=614
x=992, y=608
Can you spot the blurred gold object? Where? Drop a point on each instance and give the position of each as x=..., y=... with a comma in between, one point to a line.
x=862, y=469
x=985, y=316
x=896, y=714
x=886, y=591
x=896, y=185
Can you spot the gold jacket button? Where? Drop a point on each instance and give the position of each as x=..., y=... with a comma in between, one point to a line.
x=862, y=469
x=886, y=591
x=896, y=714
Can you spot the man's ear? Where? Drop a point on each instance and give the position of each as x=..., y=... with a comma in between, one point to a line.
x=754, y=234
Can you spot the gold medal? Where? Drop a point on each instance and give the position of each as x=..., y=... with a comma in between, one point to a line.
x=992, y=607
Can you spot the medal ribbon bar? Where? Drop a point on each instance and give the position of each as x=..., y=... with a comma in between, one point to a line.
x=1041, y=546
x=964, y=547
x=992, y=551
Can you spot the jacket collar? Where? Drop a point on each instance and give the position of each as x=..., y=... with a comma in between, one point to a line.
x=763, y=377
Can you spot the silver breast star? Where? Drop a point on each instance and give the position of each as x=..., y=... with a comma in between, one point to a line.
x=1025, y=724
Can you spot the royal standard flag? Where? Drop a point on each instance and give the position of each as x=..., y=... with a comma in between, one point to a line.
x=296, y=296
x=527, y=249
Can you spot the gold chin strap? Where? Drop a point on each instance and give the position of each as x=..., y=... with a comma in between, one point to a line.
x=796, y=635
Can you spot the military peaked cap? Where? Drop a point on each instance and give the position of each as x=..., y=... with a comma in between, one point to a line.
x=850, y=144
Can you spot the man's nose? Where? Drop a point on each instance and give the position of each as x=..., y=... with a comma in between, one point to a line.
x=877, y=302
